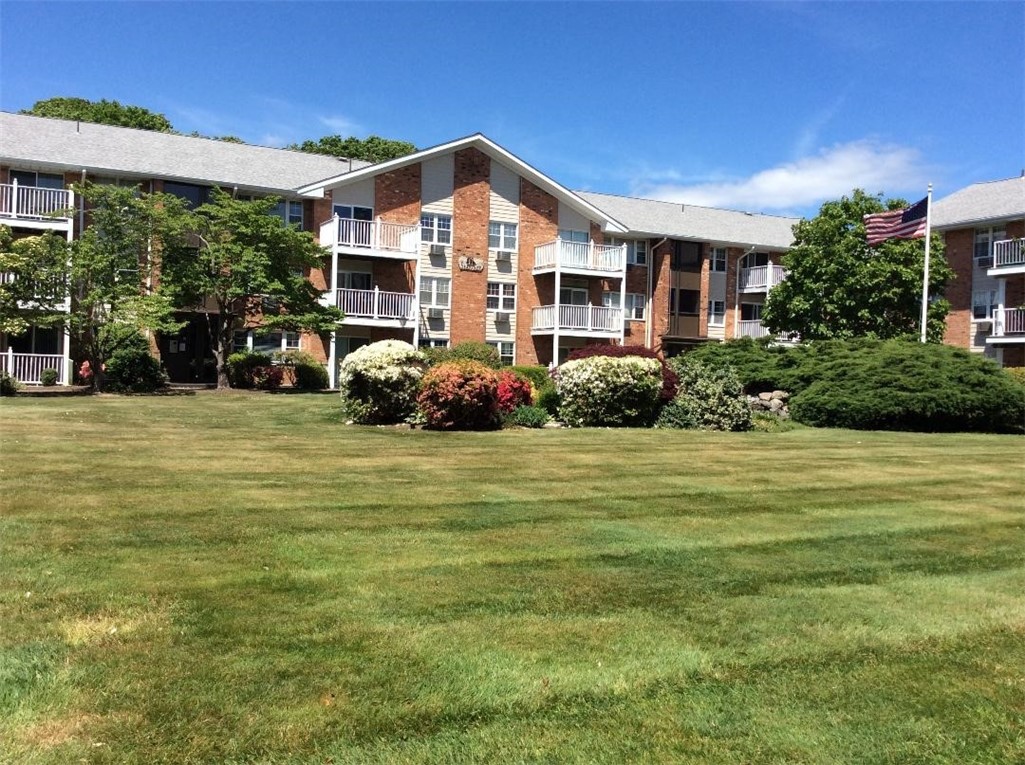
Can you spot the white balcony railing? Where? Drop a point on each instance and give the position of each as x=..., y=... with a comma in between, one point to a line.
x=1009, y=252
x=583, y=318
x=375, y=304
x=752, y=328
x=35, y=202
x=761, y=277
x=584, y=256
x=29, y=367
x=1009, y=321
x=371, y=235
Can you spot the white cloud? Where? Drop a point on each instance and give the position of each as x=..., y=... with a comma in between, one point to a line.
x=806, y=181
x=341, y=125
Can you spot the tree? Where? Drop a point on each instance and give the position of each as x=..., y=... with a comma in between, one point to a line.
x=371, y=149
x=102, y=112
x=839, y=287
x=111, y=272
x=33, y=281
x=248, y=266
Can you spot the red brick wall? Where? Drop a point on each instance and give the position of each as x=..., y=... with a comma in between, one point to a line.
x=661, y=258
x=960, y=251
x=471, y=207
x=397, y=195
x=539, y=223
x=703, y=304
x=733, y=257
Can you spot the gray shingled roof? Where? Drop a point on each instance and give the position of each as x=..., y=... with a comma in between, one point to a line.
x=710, y=224
x=40, y=143
x=981, y=202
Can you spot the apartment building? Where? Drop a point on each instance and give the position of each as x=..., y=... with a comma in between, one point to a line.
x=983, y=226
x=465, y=241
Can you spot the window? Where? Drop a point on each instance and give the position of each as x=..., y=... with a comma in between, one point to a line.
x=573, y=296
x=39, y=180
x=686, y=256
x=753, y=259
x=192, y=194
x=750, y=311
x=636, y=251
x=355, y=280
x=502, y=236
x=716, y=313
x=984, y=304
x=717, y=259
x=435, y=291
x=426, y=342
x=569, y=235
x=265, y=342
x=501, y=297
x=436, y=229
x=506, y=351
x=984, y=238
x=354, y=212
x=684, y=302
x=634, y=303
x=290, y=212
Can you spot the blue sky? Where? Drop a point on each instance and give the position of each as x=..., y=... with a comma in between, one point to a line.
x=760, y=106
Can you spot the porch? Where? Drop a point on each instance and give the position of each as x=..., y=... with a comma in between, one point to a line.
x=373, y=238
x=578, y=320
x=36, y=207
x=586, y=258
x=376, y=308
x=1008, y=258
x=760, y=278
x=1008, y=326
x=28, y=368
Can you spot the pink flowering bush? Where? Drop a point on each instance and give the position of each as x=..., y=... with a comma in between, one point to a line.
x=460, y=395
x=513, y=391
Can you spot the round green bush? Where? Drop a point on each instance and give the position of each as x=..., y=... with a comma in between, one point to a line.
x=710, y=397
x=133, y=370
x=48, y=377
x=379, y=382
x=528, y=417
x=610, y=391
x=471, y=350
x=242, y=367
x=8, y=385
x=460, y=395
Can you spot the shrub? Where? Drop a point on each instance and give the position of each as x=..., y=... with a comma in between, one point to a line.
x=460, y=395
x=606, y=390
x=528, y=417
x=8, y=385
x=537, y=374
x=305, y=371
x=379, y=382
x=48, y=377
x=242, y=367
x=513, y=391
x=669, y=381
x=902, y=385
x=710, y=398
x=1018, y=373
x=548, y=399
x=133, y=370
x=467, y=351
x=268, y=377
x=758, y=366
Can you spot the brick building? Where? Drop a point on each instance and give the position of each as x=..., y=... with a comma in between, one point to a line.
x=465, y=241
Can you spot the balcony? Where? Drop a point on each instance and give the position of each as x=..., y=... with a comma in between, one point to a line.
x=36, y=207
x=760, y=278
x=374, y=238
x=755, y=329
x=586, y=258
x=376, y=308
x=1008, y=326
x=28, y=368
x=578, y=320
x=1008, y=258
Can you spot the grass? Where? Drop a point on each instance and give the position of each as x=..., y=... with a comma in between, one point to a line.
x=243, y=579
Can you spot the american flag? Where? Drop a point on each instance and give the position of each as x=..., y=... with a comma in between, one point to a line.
x=908, y=223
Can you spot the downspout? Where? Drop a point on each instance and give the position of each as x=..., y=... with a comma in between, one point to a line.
x=649, y=319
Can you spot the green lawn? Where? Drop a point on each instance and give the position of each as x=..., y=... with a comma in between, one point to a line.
x=240, y=578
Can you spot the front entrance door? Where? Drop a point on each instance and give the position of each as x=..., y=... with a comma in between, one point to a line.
x=186, y=355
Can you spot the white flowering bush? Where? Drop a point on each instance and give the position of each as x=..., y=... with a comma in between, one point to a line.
x=379, y=382
x=609, y=391
x=710, y=397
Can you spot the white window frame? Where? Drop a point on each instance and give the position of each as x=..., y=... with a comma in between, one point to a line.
x=636, y=250
x=506, y=350
x=986, y=236
x=431, y=230
x=988, y=301
x=717, y=318
x=290, y=341
x=502, y=295
x=429, y=284
x=575, y=291
x=51, y=177
x=717, y=257
x=635, y=304
x=503, y=235
x=754, y=308
x=428, y=342
x=751, y=260
x=573, y=235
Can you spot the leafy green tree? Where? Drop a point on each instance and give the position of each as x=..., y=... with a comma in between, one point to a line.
x=102, y=112
x=839, y=287
x=111, y=272
x=371, y=149
x=33, y=281
x=246, y=266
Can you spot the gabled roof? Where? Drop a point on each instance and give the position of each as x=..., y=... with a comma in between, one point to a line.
x=41, y=143
x=981, y=203
x=486, y=146
x=652, y=218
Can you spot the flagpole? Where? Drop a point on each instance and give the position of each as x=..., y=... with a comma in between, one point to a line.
x=925, y=274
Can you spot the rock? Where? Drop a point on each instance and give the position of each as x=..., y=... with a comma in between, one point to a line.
x=775, y=405
x=765, y=396
x=780, y=395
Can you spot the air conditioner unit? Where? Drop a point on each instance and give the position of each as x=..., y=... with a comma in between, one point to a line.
x=435, y=313
x=503, y=256
x=502, y=317
x=437, y=249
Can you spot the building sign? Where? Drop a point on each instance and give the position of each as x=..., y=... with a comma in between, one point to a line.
x=467, y=263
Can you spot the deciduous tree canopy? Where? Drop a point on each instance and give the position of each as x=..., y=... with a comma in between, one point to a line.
x=102, y=112
x=370, y=149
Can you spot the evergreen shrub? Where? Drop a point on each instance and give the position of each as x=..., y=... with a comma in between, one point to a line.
x=242, y=367
x=528, y=417
x=48, y=377
x=133, y=370
x=470, y=350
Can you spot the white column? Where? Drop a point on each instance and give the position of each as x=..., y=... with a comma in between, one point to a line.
x=622, y=298
x=67, y=355
x=332, y=359
x=14, y=198
x=557, y=309
x=416, y=304
x=998, y=318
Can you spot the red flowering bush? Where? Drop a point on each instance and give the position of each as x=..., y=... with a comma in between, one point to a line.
x=513, y=391
x=670, y=380
x=460, y=395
